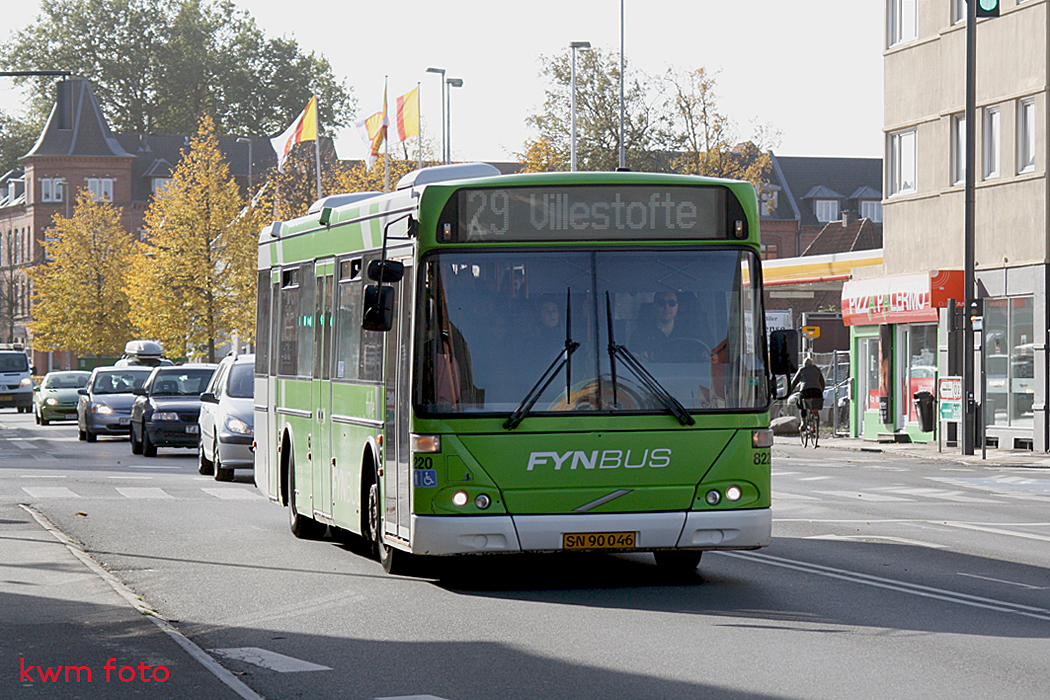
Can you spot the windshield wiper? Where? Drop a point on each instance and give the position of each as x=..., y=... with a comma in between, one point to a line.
x=638, y=370
x=563, y=359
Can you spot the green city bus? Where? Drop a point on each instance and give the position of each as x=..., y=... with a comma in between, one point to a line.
x=481, y=363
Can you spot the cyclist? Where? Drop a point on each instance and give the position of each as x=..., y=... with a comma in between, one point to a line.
x=810, y=383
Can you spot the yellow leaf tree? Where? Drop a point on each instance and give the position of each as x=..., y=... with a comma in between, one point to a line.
x=80, y=303
x=191, y=282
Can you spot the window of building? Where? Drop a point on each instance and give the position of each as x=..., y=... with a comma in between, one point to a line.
x=1026, y=136
x=958, y=149
x=770, y=251
x=902, y=162
x=870, y=209
x=903, y=21
x=769, y=201
x=101, y=188
x=826, y=210
x=1009, y=361
x=991, y=142
x=51, y=189
x=958, y=11
x=159, y=184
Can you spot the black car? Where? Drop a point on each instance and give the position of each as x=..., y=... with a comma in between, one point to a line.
x=166, y=408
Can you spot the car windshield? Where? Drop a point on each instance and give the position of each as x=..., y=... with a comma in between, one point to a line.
x=181, y=382
x=613, y=330
x=14, y=362
x=240, y=383
x=65, y=381
x=120, y=382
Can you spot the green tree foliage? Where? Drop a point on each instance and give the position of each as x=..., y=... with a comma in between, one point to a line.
x=157, y=65
x=189, y=280
x=17, y=136
x=80, y=303
x=597, y=114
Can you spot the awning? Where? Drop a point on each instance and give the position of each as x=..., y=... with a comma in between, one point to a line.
x=901, y=299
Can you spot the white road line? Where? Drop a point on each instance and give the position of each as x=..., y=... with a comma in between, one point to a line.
x=867, y=496
x=270, y=659
x=898, y=586
x=411, y=697
x=143, y=492
x=233, y=494
x=1007, y=583
x=42, y=476
x=880, y=538
x=50, y=492
x=999, y=531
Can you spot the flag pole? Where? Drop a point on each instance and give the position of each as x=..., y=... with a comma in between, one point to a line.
x=419, y=127
x=386, y=135
x=317, y=147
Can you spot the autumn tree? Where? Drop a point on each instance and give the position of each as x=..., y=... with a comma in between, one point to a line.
x=79, y=293
x=597, y=115
x=705, y=140
x=189, y=278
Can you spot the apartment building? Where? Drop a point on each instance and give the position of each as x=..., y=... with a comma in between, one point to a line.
x=899, y=324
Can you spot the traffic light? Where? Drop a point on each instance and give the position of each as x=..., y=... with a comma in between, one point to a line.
x=988, y=8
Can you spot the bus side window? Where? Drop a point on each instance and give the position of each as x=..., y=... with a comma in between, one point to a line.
x=370, y=366
x=346, y=358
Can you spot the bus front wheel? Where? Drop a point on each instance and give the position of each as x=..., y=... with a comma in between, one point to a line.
x=301, y=526
x=394, y=561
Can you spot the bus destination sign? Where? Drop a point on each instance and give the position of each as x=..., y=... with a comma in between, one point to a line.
x=592, y=212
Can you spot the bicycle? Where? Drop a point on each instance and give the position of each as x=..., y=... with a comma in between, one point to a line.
x=810, y=428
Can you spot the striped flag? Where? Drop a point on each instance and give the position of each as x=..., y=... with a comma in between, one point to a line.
x=302, y=129
x=373, y=132
x=407, y=119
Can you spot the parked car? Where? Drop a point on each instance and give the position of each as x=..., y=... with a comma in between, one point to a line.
x=167, y=407
x=104, y=406
x=227, y=419
x=56, y=397
x=16, y=382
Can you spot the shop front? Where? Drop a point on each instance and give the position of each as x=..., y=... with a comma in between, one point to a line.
x=895, y=339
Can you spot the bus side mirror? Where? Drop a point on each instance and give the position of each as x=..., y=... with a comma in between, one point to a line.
x=386, y=271
x=783, y=351
x=378, y=308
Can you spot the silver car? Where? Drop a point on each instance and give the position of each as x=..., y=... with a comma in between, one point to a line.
x=104, y=405
x=226, y=419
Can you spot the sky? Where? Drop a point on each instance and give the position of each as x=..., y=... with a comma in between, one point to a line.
x=816, y=75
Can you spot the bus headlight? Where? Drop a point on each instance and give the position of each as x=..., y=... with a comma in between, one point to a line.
x=733, y=493
x=459, y=498
x=482, y=501
x=761, y=438
x=713, y=497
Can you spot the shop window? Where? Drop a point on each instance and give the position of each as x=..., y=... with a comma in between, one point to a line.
x=1009, y=362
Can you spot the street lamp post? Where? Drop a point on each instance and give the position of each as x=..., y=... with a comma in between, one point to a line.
x=575, y=45
x=452, y=83
x=249, y=142
x=441, y=72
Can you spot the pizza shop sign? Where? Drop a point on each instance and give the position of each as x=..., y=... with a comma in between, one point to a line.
x=901, y=299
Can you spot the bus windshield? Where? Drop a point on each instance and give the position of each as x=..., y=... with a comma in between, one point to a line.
x=493, y=322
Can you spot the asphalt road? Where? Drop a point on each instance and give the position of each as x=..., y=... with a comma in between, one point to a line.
x=888, y=577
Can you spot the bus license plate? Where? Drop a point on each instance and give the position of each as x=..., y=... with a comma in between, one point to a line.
x=599, y=540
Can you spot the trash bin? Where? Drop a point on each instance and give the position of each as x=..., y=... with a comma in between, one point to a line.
x=924, y=409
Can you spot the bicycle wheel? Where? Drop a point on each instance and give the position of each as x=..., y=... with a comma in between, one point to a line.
x=804, y=430
x=814, y=422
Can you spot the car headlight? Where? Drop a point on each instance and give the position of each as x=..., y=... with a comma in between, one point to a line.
x=51, y=401
x=164, y=415
x=102, y=408
x=236, y=425
x=26, y=381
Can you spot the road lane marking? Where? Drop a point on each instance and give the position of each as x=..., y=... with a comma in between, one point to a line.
x=269, y=659
x=142, y=492
x=881, y=497
x=880, y=538
x=999, y=531
x=1007, y=583
x=233, y=494
x=897, y=586
x=50, y=492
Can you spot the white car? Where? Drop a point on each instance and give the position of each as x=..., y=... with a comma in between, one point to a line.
x=226, y=419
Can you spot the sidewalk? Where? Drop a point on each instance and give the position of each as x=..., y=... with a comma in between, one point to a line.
x=64, y=619
x=994, y=457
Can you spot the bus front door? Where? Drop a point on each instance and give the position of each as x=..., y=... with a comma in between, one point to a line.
x=397, y=479
x=321, y=440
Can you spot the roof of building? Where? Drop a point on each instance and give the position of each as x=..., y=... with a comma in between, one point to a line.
x=805, y=178
x=849, y=234
x=76, y=126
